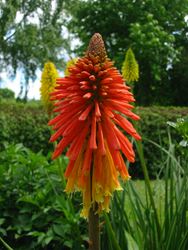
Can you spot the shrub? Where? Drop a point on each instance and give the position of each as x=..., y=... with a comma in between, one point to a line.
x=6, y=93
x=35, y=213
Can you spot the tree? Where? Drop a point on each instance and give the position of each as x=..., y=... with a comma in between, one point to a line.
x=179, y=81
x=153, y=29
x=31, y=33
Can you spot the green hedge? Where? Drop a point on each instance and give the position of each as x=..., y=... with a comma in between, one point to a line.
x=24, y=123
x=27, y=124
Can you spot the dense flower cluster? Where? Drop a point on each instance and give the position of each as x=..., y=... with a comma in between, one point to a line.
x=48, y=82
x=130, y=68
x=93, y=106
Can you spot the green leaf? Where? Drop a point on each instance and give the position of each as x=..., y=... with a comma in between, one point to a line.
x=41, y=237
x=48, y=239
x=3, y=232
x=132, y=245
x=68, y=244
x=2, y=221
x=172, y=124
x=183, y=143
x=59, y=230
x=111, y=234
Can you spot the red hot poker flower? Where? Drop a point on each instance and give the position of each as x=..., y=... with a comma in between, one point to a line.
x=93, y=110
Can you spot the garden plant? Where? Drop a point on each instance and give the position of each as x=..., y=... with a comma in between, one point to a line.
x=100, y=162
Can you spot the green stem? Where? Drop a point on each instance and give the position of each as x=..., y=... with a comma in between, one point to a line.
x=147, y=182
x=94, y=232
x=5, y=244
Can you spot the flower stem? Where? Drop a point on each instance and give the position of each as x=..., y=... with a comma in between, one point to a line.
x=94, y=234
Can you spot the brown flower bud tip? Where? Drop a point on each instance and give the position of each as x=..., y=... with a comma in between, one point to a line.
x=96, y=47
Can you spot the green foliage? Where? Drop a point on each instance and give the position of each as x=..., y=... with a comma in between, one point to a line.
x=182, y=127
x=155, y=41
x=133, y=218
x=153, y=126
x=6, y=94
x=27, y=124
x=156, y=31
x=35, y=213
x=177, y=89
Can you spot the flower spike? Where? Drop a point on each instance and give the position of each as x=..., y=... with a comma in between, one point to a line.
x=93, y=112
x=96, y=47
x=48, y=83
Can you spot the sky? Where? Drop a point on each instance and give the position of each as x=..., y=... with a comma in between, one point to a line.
x=14, y=85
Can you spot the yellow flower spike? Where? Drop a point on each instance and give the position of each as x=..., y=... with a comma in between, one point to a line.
x=70, y=63
x=130, y=68
x=48, y=83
